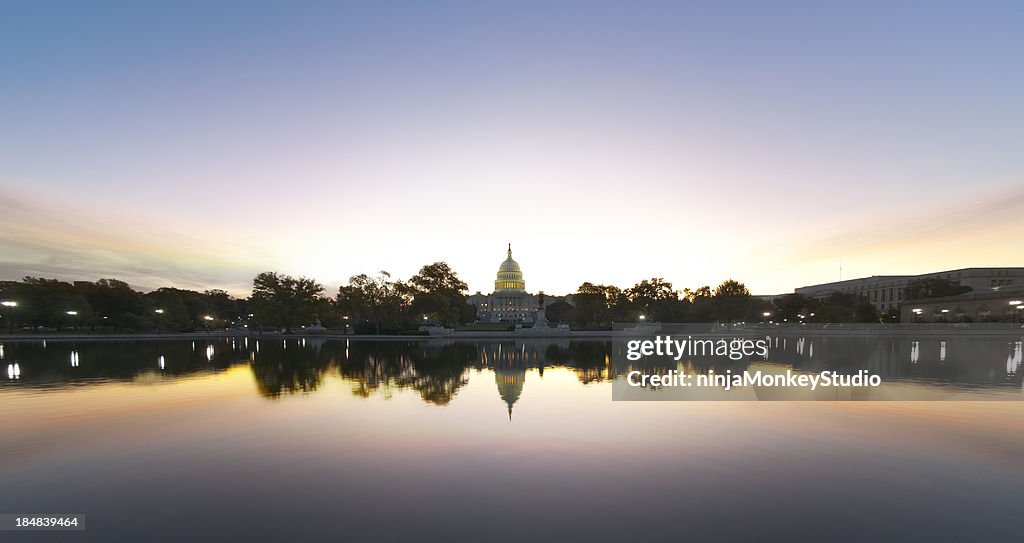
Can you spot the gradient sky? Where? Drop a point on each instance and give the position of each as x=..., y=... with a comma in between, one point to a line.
x=199, y=143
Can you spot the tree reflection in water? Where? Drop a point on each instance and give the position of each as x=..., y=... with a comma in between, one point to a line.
x=289, y=366
x=437, y=369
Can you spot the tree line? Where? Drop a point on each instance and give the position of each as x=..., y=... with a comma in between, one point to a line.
x=598, y=306
x=110, y=304
x=380, y=303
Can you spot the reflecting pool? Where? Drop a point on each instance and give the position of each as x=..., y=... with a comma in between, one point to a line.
x=477, y=440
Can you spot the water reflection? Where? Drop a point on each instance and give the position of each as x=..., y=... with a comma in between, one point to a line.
x=1013, y=360
x=439, y=369
x=126, y=439
x=973, y=362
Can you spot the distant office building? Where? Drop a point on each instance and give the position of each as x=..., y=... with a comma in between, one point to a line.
x=886, y=292
x=510, y=302
x=1002, y=305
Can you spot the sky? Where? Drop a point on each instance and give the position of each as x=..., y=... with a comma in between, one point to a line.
x=197, y=144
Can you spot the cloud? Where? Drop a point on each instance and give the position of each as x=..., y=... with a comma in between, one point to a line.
x=977, y=227
x=50, y=237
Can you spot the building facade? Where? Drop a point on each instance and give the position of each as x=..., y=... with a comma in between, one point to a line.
x=887, y=292
x=1002, y=305
x=510, y=302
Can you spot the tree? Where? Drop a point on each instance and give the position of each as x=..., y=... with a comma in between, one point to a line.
x=595, y=305
x=440, y=294
x=699, y=304
x=866, y=311
x=838, y=307
x=559, y=312
x=731, y=301
x=654, y=297
x=438, y=278
x=378, y=300
x=933, y=287
x=173, y=314
x=115, y=303
x=222, y=305
x=791, y=306
x=284, y=301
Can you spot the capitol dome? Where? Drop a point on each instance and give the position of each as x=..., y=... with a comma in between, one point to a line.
x=510, y=276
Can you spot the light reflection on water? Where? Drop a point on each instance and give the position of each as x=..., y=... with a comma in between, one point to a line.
x=479, y=441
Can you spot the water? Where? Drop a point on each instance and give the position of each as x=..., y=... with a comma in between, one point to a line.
x=477, y=441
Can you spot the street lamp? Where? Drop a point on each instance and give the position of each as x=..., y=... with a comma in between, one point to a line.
x=207, y=320
x=158, y=312
x=11, y=305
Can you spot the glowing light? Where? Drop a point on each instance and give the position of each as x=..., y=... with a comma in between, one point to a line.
x=8, y=303
x=1016, y=302
x=74, y=359
x=72, y=313
x=162, y=362
x=160, y=311
x=209, y=353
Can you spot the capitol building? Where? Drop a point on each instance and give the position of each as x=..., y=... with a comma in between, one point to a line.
x=510, y=303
